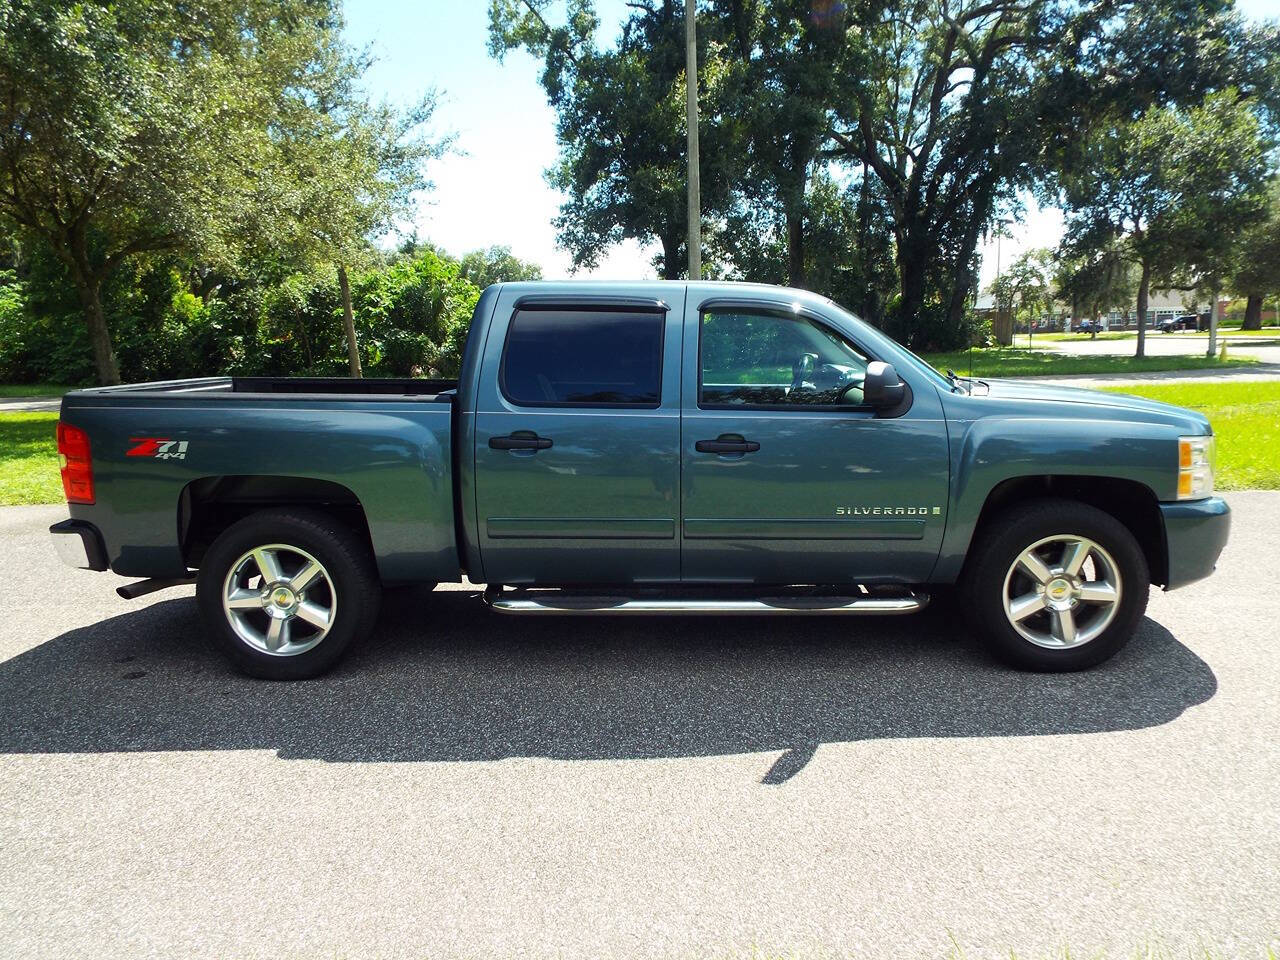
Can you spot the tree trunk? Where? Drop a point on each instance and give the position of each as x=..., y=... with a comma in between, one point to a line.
x=795, y=249
x=306, y=341
x=1252, y=313
x=1213, y=324
x=1144, y=293
x=349, y=322
x=104, y=357
x=911, y=277
x=672, y=269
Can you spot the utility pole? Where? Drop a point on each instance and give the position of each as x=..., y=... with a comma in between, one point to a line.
x=691, y=98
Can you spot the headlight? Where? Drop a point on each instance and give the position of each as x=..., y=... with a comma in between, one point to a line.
x=1195, y=467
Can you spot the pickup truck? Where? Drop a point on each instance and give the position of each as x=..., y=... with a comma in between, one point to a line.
x=649, y=448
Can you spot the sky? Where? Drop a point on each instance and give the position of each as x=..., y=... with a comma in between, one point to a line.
x=491, y=190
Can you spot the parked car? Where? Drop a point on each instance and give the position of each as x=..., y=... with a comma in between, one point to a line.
x=1186, y=322
x=623, y=449
x=1089, y=326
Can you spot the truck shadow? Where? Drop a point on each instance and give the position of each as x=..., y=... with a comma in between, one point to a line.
x=445, y=679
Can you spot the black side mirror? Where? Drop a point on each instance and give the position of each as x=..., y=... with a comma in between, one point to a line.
x=881, y=387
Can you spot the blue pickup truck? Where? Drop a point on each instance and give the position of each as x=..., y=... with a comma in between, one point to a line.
x=649, y=448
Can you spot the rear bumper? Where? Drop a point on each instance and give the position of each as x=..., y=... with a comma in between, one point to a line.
x=79, y=544
x=1194, y=534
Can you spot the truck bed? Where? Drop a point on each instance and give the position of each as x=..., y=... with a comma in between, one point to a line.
x=165, y=452
x=257, y=387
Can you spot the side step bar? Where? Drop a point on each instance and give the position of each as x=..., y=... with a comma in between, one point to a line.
x=520, y=602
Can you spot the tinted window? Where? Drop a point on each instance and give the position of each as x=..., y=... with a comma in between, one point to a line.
x=771, y=359
x=585, y=357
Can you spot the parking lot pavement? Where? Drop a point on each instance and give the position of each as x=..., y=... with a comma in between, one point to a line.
x=472, y=785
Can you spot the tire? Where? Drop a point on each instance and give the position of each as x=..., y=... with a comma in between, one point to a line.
x=1053, y=620
x=306, y=625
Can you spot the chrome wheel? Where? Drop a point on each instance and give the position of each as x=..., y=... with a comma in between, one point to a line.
x=279, y=599
x=1062, y=591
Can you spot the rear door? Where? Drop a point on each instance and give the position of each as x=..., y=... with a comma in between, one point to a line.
x=787, y=477
x=577, y=440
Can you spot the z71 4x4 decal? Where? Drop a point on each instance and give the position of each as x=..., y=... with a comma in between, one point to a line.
x=158, y=447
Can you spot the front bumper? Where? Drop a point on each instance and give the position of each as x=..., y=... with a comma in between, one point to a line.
x=79, y=544
x=1195, y=531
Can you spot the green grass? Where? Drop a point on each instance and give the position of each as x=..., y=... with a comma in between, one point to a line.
x=1246, y=420
x=34, y=389
x=1019, y=362
x=28, y=459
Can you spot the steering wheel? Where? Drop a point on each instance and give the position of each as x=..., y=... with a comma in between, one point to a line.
x=843, y=394
x=802, y=371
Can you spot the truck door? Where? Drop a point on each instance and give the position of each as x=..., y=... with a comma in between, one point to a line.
x=787, y=477
x=577, y=440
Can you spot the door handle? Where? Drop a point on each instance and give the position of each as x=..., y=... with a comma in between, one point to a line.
x=727, y=443
x=520, y=440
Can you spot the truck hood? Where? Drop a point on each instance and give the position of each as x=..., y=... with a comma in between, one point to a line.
x=1112, y=406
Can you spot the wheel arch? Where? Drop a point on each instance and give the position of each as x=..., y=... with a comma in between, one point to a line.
x=209, y=505
x=1131, y=503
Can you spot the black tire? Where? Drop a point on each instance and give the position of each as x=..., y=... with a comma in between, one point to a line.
x=349, y=570
x=997, y=548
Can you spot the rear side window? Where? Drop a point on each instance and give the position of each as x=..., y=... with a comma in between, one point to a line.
x=587, y=358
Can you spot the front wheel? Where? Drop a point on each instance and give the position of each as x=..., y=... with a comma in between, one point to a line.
x=284, y=593
x=1057, y=585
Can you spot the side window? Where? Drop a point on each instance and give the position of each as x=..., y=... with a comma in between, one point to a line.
x=587, y=357
x=775, y=359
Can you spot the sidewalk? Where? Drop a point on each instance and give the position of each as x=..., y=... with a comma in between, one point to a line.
x=29, y=404
x=1263, y=371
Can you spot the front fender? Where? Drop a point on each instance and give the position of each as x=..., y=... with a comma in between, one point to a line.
x=988, y=452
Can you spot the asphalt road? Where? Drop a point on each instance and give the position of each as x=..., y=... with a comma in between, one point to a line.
x=1266, y=349
x=475, y=786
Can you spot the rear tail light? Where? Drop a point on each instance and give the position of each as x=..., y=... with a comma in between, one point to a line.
x=77, y=467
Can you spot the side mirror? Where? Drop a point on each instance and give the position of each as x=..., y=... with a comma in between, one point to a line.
x=881, y=386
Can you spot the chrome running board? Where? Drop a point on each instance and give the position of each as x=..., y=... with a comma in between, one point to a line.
x=551, y=602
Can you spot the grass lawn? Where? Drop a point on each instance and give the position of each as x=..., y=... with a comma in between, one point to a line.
x=1018, y=362
x=1246, y=420
x=34, y=389
x=28, y=459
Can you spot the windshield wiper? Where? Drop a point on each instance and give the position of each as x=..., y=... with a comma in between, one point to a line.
x=956, y=379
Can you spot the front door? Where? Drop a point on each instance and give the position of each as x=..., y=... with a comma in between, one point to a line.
x=577, y=439
x=787, y=477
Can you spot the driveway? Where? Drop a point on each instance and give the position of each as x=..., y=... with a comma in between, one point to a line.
x=471, y=785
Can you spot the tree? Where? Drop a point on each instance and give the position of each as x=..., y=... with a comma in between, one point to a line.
x=1163, y=188
x=846, y=246
x=620, y=123
x=781, y=63
x=347, y=171
x=130, y=128
x=1094, y=282
x=944, y=106
x=496, y=265
x=1257, y=270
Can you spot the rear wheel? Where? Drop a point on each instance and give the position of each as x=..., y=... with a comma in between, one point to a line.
x=1057, y=585
x=285, y=593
